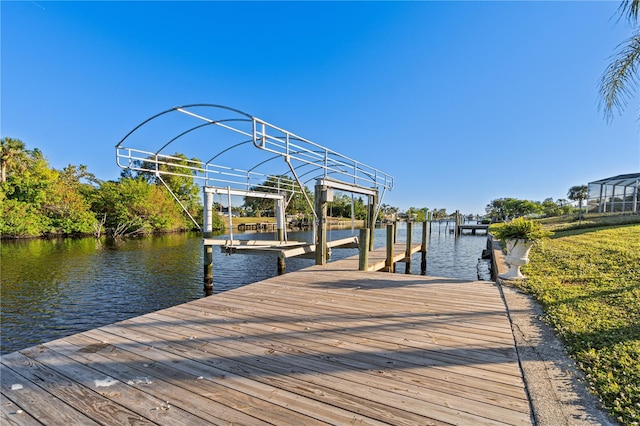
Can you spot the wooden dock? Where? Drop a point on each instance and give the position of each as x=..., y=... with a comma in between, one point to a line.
x=258, y=226
x=324, y=345
x=473, y=227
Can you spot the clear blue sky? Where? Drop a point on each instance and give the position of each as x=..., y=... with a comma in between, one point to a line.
x=462, y=102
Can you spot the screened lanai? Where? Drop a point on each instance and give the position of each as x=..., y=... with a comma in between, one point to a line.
x=615, y=194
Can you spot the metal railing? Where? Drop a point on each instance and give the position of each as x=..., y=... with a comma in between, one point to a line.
x=317, y=161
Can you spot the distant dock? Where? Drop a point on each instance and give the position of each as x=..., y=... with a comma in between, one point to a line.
x=258, y=226
x=473, y=228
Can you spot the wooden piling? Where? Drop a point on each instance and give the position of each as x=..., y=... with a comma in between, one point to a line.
x=321, y=195
x=395, y=231
x=208, y=270
x=371, y=219
x=282, y=266
x=390, y=266
x=407, y=264
x=423, y=248
x=363, y=247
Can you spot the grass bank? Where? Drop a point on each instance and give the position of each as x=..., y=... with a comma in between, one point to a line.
x=591, y=220
x=587, y=277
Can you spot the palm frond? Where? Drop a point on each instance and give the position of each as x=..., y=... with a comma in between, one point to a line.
x=629, y=9
x=618, y=83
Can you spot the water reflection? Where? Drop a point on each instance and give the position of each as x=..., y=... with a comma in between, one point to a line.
x=447, y=256
x=54, y=288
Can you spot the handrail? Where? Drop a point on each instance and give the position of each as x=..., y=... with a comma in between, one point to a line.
x=296, y=150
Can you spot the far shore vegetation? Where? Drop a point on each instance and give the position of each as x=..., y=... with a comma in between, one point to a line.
x=37, y=200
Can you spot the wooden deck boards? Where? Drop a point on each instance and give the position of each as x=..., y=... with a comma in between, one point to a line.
x=325, y=345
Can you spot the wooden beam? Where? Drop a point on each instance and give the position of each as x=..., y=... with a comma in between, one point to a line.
x=270, y=243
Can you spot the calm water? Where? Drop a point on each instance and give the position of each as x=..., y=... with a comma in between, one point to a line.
x=54, y=288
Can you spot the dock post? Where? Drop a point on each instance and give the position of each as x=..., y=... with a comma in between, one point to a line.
x=457, y=224
x=208, y=270
x=371, y=218
x=363, y=250
x=429, y=220
x=390, y=266
x=282, y=265
x=208, y=249
x=322, y=196
x=407, y=264
x=395, y=231
x=423, y=248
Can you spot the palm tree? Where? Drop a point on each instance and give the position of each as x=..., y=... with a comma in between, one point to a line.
x=621, y=76
x=11, y=152
x=578, y=193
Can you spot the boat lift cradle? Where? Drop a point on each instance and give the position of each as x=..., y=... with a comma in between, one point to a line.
x=205, y=127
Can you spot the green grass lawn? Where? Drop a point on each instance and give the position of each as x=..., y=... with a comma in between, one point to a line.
x=588, y=281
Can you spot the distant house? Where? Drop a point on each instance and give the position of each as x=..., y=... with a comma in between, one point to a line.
x=615, y=194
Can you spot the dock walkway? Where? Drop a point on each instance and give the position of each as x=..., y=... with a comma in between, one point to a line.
x=324, y=345
x=473, y=227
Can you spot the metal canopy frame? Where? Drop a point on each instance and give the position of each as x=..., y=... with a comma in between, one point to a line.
x=197, y=126
x=616, y=193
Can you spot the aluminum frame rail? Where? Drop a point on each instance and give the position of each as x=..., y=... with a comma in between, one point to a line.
x=210, y=175
x=304, y=157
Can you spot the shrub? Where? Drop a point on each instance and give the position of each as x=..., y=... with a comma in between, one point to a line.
x=519, y=229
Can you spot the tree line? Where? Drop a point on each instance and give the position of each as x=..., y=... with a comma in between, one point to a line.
x=507, y=208
x=38, y=200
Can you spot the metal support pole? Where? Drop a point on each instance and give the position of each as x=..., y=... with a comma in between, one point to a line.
x=207, y=213
x=230, y=218
x=207, y=249
x=280, y=220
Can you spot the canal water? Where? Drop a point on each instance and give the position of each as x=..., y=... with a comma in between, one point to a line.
x=54, y=288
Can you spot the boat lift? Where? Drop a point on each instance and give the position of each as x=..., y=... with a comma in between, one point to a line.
x=231, y=139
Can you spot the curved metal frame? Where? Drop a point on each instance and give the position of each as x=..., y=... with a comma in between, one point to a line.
x=271, y=139
x=325, y=164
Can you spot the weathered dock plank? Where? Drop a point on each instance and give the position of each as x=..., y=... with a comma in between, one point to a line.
x=301, y=341
x=325, y=345
x=88, y=400
x=23, y=399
